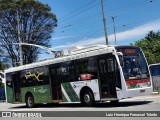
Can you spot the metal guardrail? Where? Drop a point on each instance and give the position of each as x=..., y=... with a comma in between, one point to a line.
x=156, y=83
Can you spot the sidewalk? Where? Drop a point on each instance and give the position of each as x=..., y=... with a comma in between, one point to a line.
x=151, y=96
x=2, y=101
x=156, y=92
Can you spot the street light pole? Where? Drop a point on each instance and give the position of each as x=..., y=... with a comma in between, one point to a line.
x=104, y=23
x=19, y=39
x=114, y=29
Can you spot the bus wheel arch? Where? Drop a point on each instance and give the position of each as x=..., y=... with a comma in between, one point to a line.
x=87, y=97
x=29, y=100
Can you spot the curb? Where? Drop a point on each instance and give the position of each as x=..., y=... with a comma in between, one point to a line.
x=155, y=92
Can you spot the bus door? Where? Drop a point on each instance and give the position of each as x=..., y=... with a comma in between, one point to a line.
x=16, y=87
x=56, y=84
x=107, y=75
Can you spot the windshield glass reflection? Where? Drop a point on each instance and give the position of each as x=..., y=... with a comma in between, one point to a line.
x=134, y=64
x=135, y=67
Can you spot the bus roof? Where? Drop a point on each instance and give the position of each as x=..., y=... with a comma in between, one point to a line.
x=81, y=52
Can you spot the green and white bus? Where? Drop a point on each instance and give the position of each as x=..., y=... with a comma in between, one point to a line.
x=84, y=74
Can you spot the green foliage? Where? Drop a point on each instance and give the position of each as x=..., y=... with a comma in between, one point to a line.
x=36, y=23
x=150, y=46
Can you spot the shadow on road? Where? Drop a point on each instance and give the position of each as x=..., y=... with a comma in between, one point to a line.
x=122, y=104
x=97, y=105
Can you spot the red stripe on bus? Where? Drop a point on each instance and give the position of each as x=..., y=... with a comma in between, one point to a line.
x=137, y=81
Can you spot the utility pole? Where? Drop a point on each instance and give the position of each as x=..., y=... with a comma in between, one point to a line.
x=104, y=22
x=114, y=29
x=19, y=39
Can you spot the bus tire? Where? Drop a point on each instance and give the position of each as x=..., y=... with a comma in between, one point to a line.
x=30, y=101
x=87, y=98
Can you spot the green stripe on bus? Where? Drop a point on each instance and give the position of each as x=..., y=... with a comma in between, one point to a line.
x=10, y=96
x=70, y=92
x=40, y=93
x=64, y=98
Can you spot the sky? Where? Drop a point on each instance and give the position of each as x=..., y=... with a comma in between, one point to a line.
x=80, y=22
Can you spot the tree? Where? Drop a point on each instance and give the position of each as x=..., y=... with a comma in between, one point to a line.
x=150, y=46
x=3, y=65
x=29, y=20
x=1, y=77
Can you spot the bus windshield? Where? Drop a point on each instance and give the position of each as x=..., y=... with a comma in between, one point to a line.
x=134, y=63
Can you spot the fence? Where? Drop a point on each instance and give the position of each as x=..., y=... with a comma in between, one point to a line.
x=156, y=83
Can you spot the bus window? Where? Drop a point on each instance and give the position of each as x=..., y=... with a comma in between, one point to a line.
x=86, y=67
x=80, y=68
x=34, y=77
x=9, y=80
x=110, y=65
x=92, y=67
x=67, y=71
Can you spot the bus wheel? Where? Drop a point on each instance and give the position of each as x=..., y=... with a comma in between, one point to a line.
x=30, y=101
x=87, y=98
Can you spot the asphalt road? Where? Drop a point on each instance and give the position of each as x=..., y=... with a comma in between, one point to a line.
x=143, y=103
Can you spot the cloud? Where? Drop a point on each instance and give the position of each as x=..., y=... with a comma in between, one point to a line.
x=138, y=31
x=135, y=32
x=91, y=41
x=64, y=37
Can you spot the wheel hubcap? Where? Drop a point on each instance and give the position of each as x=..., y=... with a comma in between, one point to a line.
x=30, y=101
x=86, y=98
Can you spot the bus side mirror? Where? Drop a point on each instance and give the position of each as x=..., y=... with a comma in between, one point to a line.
x=120, y=56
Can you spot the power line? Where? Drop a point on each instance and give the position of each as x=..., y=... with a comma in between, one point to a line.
x=82, y=26
x=117, y=9
x=121, y=26
x=77, y=9
x=124, y=7
x=81, y=19
x=134, y=24
x=131, y=5
x=120, y=8
x=109, y=28
x=86, y=33
x=81, y=23
x=81, y=11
